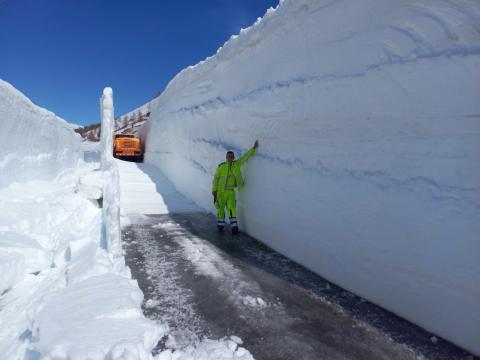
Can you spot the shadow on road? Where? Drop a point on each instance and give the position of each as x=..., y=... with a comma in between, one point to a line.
x=304, y=317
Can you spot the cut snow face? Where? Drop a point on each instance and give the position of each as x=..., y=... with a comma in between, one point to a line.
x=34, y=142
x=367, y=171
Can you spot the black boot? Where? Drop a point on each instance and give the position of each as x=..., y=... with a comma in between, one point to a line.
x=220, y=228
x=234, y=230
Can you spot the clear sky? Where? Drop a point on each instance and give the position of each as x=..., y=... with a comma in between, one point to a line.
x=62, y=53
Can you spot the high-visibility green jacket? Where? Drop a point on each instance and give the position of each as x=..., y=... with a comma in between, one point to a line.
x=228, y=175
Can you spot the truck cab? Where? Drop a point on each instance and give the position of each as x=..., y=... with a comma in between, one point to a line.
x=127, y=146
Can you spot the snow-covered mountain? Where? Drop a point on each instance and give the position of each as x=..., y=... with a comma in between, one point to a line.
x=367, y=173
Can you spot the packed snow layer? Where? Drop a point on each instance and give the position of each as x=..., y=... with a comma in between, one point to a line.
x=369, y=126
x=34, y=142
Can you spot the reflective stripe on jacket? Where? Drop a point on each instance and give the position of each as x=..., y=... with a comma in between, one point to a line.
x=228, y=177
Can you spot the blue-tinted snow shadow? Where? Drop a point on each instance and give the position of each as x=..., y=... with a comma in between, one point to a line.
x=174, y=200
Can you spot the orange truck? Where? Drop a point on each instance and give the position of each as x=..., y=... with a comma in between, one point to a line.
x=127, y=146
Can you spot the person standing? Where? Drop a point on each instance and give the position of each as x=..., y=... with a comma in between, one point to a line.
x=228, y=177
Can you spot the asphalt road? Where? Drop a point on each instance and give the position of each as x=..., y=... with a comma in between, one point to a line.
x=206, y=284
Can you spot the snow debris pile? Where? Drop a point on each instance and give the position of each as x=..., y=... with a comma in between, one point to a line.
x=367, y=173
x=209, y=350
x=34, y=142
x=61, y=293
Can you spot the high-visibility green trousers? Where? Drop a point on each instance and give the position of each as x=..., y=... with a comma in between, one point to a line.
x=226, y=199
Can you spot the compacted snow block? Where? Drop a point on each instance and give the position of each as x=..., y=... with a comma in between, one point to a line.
x=367, y=171
x=33, y=256
x=34, y=142
x=94, y=316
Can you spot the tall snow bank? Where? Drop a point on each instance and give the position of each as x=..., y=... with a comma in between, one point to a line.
x=367, y=173
x=65, y=292
x=34, y=142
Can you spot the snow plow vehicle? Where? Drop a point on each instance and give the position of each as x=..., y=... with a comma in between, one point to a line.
x=127, y=146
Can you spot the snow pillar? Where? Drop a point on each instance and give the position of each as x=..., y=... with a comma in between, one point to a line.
x=106, y=111
x=110, y=239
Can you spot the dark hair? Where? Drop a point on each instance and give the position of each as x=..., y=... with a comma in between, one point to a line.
x=230, y=152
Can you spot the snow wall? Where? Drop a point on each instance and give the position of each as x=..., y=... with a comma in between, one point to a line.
x=368, y=117
x=62, y=296
x=34, y=142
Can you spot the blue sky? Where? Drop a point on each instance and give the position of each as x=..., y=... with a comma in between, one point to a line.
x=62, y=53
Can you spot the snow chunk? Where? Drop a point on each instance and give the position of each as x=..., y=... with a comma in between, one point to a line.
x=34, y=142
x=236, y=339
x=91, y=185
x=208, y=350
x=254, y=302
x=151, y=303
x=35, y=258
x=89, y=317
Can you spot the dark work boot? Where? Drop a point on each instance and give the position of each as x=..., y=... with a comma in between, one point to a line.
x=234, y=230
x=220, y=225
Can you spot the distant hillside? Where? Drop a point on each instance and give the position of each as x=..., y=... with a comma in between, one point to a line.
x=128, y=123
x=90, y=132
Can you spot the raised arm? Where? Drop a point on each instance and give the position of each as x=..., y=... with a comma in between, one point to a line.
x=248, y=154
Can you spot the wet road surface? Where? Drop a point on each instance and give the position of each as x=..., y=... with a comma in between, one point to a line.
x=206, y=284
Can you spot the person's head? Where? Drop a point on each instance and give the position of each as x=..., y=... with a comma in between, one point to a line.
x=230, y=156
